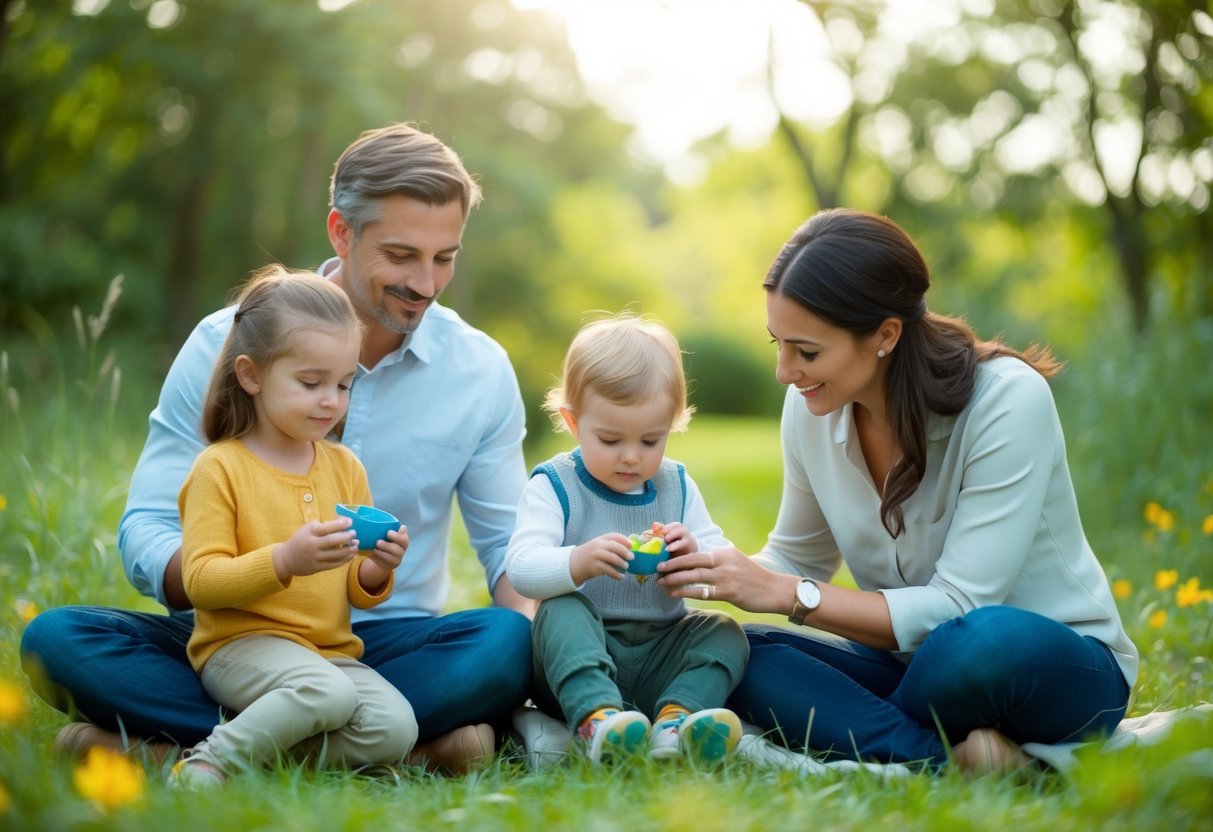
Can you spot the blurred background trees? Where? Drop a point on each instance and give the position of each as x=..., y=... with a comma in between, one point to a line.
x=1053, y=159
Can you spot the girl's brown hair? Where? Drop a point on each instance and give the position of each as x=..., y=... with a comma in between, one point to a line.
x=271, y=305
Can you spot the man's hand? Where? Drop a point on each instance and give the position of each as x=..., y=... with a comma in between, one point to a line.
x=504, y=595
x=174, y=584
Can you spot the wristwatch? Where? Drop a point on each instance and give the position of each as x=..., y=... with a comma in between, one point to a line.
x=808, y=596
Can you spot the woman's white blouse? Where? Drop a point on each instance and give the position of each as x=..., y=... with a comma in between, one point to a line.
x=994, y=520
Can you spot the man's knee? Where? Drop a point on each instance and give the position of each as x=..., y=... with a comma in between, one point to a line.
x=37, y=649
x=511, y=649
x=49, y=642
x=46, y=630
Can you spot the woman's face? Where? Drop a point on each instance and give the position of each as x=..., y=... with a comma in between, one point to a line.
x=827, y=365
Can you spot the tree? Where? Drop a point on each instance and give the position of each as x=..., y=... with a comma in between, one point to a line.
x=1100, y=104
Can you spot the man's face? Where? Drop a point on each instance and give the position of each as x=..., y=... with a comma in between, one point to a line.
x=401, y=262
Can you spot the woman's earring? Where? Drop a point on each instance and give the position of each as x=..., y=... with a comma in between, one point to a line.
x=881, y=353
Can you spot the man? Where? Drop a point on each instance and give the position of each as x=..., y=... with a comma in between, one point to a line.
x=435, y=412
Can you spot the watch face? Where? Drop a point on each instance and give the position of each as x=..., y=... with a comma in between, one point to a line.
x=808, y=594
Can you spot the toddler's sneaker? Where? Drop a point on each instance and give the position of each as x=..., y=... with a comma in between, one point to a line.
x=707, y=737
x=611, y=735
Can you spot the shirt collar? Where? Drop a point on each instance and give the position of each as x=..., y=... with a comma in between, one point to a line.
x=938, y=427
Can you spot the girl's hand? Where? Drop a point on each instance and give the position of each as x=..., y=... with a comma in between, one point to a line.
x=380, y=562
x=726, y=575
x=607, y=554
x=316, y=547
x=678, y=539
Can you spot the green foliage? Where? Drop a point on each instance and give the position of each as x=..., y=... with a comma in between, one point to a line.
x=727, y=376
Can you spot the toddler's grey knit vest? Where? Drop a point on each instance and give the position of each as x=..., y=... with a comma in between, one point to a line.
x=591, y=509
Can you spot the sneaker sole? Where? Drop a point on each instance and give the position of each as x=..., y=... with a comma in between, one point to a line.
x=621, y=741
x=626, y=741
x=709, y=739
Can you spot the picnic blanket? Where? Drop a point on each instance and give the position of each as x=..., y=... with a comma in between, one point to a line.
x=1150, y=729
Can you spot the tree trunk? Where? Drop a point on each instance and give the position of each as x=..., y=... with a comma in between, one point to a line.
x=1130, y=244
x=185, y=267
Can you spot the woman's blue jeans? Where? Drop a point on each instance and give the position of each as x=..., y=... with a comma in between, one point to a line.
x=128, y=671
x=1030, y=677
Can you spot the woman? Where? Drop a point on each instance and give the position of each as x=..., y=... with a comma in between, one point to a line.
x=933, y=466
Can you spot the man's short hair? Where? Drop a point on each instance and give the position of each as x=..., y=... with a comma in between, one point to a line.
x=398, y=159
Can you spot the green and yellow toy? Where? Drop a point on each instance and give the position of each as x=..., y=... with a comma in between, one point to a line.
x=648, y=550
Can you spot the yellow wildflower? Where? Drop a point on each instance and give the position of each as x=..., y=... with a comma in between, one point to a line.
x=1122, y=588
x=12, y=702
x=1207, y=526
x=1164, y=579
x=3, y=502
x=26, y=609
x=1151, y=512
x=6, y=802
x=1157, y=619
x=1189, y=593
x=1159, y=517
x=108, y=779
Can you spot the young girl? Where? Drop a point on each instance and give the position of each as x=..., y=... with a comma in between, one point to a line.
x=270, y=568
x=605, y=641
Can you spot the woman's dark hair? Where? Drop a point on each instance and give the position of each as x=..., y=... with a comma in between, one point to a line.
x=855, y=270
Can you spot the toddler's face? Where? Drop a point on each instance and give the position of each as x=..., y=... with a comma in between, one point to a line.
x=622, y=445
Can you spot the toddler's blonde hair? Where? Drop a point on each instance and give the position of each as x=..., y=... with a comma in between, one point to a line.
x=626, y=360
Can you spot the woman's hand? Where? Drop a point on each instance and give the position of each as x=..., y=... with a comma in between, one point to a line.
x=728, y=575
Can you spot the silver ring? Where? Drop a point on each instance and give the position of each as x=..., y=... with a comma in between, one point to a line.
x=705, y=592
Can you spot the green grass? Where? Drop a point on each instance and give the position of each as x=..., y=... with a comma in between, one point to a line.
x=69, y=435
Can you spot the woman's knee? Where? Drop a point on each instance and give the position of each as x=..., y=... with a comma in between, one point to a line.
x=989, y=642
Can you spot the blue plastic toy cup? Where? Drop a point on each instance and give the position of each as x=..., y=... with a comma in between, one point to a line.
x=645, y=563
x=370, y=524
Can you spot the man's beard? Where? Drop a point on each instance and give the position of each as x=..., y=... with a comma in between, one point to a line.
x=393, y=323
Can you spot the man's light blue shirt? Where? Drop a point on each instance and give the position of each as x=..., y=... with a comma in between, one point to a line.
x=441, y=416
